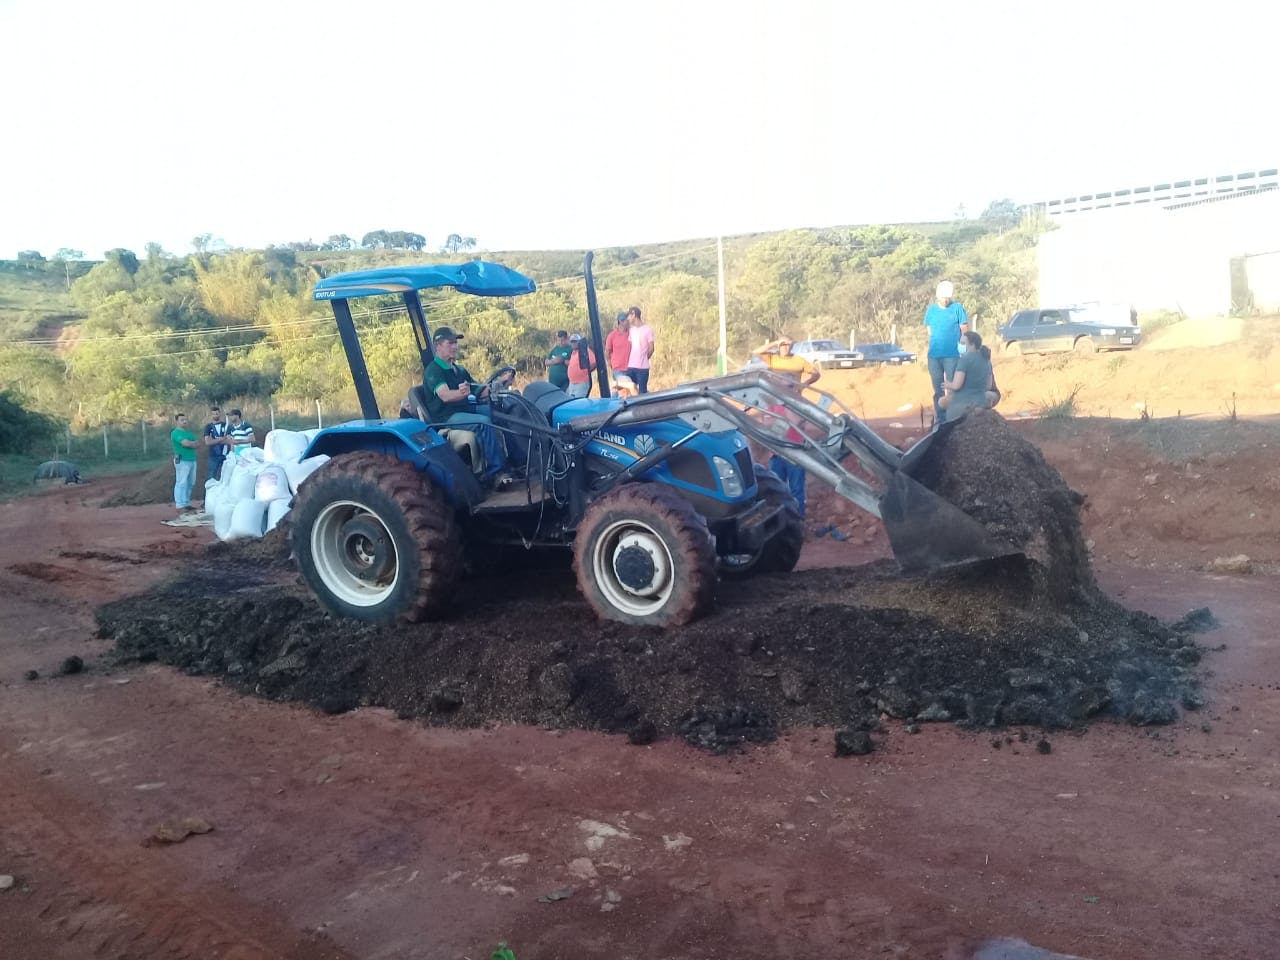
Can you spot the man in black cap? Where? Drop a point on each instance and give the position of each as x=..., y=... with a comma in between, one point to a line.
x=454, y=400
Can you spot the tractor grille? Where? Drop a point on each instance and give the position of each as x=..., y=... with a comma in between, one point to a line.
x=692, y=468
x=743, y=458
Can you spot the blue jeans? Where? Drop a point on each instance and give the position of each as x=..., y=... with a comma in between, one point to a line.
x=792, y=476
x=579, y=390
x=215, y=466
x=184, y=479
x=640, y=377
x=940, y=368
x=480, y=423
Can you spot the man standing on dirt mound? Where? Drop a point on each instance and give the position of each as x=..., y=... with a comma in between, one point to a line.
x=184, y=462
x=946, y=321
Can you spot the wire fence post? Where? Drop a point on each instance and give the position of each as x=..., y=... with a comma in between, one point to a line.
x=68, y=441
x=106, y=446
x=319, y=421
x=272, y=410
x=144, y=436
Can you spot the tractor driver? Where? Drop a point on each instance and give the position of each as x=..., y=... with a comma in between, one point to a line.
x=453, y=400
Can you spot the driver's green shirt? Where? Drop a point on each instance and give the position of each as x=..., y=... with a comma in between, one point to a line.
x=453, y=376
x=559, y=373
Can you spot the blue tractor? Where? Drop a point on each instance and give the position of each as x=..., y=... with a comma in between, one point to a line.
x=657, y=496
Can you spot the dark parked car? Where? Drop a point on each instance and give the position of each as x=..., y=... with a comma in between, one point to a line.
x=878, y=353
x=1060, y=330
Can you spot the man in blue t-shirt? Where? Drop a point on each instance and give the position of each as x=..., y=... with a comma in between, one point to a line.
x=947, y=322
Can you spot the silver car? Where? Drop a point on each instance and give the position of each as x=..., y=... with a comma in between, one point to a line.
x=827, y=354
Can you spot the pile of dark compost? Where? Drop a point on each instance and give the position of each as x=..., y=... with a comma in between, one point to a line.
x=1002, y=480
x=836, y=647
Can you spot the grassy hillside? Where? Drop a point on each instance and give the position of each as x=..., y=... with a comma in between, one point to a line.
x=35, y=299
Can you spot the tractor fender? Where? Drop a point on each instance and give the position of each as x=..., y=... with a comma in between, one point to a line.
x=409, y=440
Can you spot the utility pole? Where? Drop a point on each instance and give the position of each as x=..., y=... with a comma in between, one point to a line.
x=722, y=356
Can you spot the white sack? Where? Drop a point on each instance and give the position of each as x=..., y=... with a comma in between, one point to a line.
x=271, y=484
x=297, y=472
x=284, y=445
x=249, y=519
x=276, y=511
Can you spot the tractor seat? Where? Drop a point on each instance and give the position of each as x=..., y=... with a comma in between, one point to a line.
x=418, y=400
x=546, y=396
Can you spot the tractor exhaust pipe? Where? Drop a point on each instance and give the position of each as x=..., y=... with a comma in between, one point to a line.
x=593, y=317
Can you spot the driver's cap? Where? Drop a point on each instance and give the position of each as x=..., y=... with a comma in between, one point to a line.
x=446, y=333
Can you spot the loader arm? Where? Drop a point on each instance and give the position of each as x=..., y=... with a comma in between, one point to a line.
x=816, y=432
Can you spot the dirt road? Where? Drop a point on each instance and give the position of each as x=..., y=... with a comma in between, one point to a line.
x=366, y=836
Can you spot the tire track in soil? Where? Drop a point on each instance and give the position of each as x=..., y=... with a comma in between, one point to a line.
x=110, y=901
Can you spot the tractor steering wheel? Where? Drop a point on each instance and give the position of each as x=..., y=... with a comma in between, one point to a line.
x=502, y=378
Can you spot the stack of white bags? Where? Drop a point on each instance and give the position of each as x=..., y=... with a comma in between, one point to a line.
x=258, y=485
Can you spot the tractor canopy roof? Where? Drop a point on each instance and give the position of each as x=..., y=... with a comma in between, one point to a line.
x=479, y=277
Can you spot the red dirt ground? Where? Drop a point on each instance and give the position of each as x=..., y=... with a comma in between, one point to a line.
x=365, y=836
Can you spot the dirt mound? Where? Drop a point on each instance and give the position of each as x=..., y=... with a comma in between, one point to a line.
x=270, y=550
x=156, y=486
x=1001, y=479
x=831, y=647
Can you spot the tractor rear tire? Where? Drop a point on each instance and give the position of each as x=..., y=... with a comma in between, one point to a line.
x=376, y=540
x=782, y=551
x=643, y=556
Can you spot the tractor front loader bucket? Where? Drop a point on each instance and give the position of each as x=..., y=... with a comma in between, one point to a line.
x=813, y=430
x=928, y=533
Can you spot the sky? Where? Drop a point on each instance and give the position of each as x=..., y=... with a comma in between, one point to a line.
x=566, y=124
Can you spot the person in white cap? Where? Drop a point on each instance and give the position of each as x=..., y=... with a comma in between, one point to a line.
x=947, y=322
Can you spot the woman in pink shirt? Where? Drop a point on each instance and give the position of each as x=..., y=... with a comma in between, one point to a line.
x=642, y=343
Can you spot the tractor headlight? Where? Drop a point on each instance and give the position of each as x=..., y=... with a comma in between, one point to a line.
x=730, y=480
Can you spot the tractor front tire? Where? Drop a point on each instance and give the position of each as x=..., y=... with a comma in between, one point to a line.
x=375, y=539
x=643, y=556
x=781, y=552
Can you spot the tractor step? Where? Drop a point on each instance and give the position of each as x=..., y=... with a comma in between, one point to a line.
x=517, y=496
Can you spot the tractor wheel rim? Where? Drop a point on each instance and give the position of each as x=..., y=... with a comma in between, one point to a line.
x=354, y=568
x=618, y=574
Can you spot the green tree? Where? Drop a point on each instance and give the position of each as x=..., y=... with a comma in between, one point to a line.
x=21, y=428
x=127, y=259
x=38, y=375
x=1002, y=213
x=232, y=286
x=456, y=243
x=104, y=280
